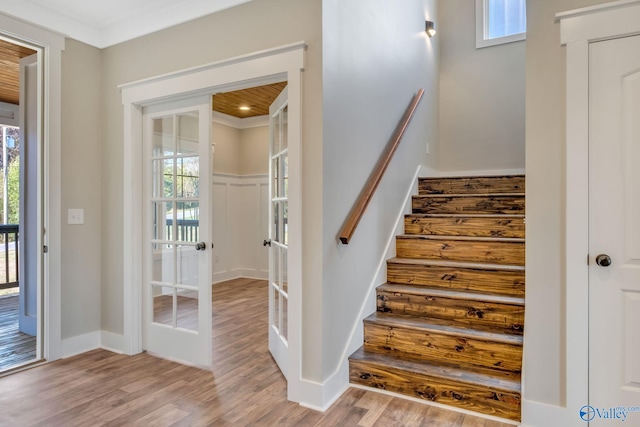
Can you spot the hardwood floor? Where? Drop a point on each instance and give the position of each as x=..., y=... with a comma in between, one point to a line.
x=244, y=387
x=16, y=348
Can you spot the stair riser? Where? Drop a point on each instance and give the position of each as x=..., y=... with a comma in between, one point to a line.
x=509, y=283
x=506, y=253
x=468, y=205
x=474, y=227
x=436, y=346
x=461, y=313
x=458, y=394
x=472, y=185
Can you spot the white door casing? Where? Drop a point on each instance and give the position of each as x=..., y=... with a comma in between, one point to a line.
x=177, y=232
x=614, y=228
x=279, y=231
x=269, y=66
x=579, y=28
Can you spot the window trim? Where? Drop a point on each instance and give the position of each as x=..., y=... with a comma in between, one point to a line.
x=481, y=21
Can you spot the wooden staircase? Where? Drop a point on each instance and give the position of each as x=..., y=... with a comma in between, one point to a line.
x=449, y=321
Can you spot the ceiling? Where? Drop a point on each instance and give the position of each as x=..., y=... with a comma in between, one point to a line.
x=257, y=99
x=10, y=55
x=105, y=23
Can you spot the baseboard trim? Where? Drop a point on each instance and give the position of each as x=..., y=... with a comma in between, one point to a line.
x=240, y=274
x=112, y=342
x=80, y=344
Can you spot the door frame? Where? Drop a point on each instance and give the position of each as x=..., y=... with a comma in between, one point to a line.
x=579, y=28
x=264, y=67
x=49, y=47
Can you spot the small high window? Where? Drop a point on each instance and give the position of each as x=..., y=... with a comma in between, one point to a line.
x=500, y=21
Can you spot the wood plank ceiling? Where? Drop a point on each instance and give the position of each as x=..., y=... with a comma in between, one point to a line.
x=10, y=55
x=257, y=99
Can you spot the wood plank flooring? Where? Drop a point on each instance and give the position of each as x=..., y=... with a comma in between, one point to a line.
x=244, y=387
x=16, y=348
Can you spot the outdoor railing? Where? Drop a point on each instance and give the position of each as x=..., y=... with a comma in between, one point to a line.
x=9, y=266
x=187, y=229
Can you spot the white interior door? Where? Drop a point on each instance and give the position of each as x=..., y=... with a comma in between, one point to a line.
x=614, y=232
x=177, y=273
x=30, y=222
x=278, y=231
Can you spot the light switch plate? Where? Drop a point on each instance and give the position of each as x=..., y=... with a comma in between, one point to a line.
x=75, y=216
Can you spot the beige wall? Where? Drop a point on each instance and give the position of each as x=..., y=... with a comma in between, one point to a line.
x=81, y=188
x=227, y=157
x=251, y=27
x=545, y=367
x=254, y=151
x=481, y=95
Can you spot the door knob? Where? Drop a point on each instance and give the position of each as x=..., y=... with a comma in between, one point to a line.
x=266, y=242
x=603, y=260
x=201, y=246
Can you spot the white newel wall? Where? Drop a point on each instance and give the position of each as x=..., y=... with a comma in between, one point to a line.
x=240, y=224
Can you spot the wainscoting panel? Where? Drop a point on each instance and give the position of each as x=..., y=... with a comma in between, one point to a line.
x=240, y=224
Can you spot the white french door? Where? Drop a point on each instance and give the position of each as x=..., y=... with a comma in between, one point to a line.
x=177, y=230
x=278, y=231
x=614, y=232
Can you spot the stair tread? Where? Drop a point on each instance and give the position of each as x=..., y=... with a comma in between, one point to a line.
x=463, y=215
x=456, y=264
x=469, y=195
x=444, y=293
x=479, y=376
x=442, y=326
x=462, y=238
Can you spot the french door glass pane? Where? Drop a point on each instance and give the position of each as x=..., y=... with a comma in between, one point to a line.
x=187, y=265
x=188, y=222
x=187, y=134
x=276, y=265
x=285, y=304
x=275, y=321
x=284, y=224
x=162, y=270
x=285, y=284
x=275, y=140
x=285, y=117
x=162, y=140
x=187, y=177
x=285, y=175
x=162, y=220
x=187, y=309
x=162, y=178
x=276, y=174
x=163, y=300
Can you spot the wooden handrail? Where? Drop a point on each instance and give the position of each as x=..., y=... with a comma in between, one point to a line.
x=370, y=187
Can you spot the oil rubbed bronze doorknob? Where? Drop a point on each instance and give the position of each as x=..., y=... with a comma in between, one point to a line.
x=603, y=260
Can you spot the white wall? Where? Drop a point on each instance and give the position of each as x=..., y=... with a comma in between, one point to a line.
x=482, y=95
x=376, y=56
x=545, y=359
